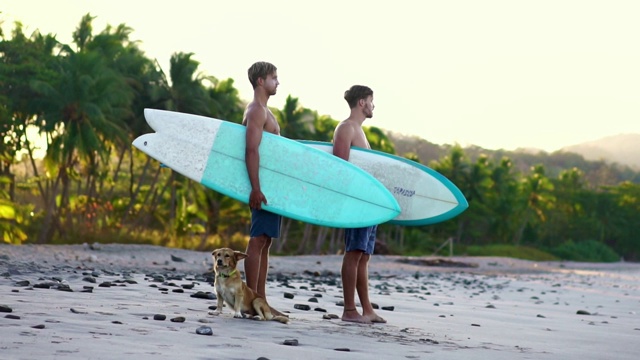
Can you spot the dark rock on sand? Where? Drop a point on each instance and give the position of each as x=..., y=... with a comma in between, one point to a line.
x=302, y=307
x=64, y=287
x=14, y=317
x=291, y=342
x=583, y=312
x=159, y=317
x=44, y=285
x=204, y=295
x=288, y=295
x=5, y=309
x=330, y=316
x=179, y=319
x=157, y=278
x=204, y=330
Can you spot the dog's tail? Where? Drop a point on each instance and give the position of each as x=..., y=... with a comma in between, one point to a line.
x=281, y=319
x=263, y=311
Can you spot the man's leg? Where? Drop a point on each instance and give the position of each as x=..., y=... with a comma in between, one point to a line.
x=349, y=282
x=362, y=286
x=264, y=268
x=256, y=267
x=256, y=264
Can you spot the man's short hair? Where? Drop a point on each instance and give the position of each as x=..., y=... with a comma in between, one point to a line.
x=260, y=70
x=355, y=93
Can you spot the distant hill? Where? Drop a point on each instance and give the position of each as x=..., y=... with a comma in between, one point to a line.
x=608, y=161
x=623, y=149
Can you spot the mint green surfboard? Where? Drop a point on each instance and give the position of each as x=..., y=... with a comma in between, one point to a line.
x=299, y=182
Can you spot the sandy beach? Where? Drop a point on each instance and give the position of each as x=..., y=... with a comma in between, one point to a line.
x=143, y=302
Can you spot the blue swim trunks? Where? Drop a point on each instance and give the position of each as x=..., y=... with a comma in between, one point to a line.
x=363, y=239
x=265, y=223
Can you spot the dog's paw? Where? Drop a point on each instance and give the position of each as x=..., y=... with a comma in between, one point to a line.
x=258, y=317
x=217, y=312
x=238, y=316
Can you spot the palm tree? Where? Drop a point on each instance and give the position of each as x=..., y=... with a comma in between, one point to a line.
x=504, y=200
x=538, y=190
x=21, y=58
x=82, y=110
x=296, y=122
x=188, y=93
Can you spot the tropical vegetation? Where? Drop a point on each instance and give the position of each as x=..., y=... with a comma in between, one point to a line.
x=81, y=105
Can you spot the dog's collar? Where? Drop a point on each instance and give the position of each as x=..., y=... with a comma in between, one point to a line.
x=229, y=274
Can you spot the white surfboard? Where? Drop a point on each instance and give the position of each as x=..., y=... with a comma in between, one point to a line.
x=425, y=196
x=298, y=181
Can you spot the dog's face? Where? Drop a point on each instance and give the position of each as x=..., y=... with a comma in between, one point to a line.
x=226, y=258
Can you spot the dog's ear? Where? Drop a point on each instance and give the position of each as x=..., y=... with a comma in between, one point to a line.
x=239, y=255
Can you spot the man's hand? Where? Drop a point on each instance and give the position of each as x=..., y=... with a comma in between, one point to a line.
x=256, y=198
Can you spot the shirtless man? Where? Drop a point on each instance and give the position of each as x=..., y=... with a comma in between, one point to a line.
x=359, y=242
x=264, y=225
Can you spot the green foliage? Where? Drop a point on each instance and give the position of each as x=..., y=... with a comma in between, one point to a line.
x=586, y=251
x=11, y=218
x=414, y=243
x=503, y=250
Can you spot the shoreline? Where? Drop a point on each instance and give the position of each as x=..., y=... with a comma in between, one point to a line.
x=102, y=301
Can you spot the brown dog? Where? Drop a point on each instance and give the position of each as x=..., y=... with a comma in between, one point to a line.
x=231, y=289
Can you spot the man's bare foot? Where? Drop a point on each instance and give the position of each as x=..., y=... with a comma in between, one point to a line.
x=352, y=315
x=374, y=318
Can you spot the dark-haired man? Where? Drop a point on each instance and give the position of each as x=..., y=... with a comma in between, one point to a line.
x=359, y=242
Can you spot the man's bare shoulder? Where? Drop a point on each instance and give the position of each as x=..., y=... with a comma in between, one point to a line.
x=347, y=125
x=255, y=113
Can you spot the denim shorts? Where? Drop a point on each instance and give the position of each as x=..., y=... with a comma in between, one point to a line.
x=265, y=223
x=363, y=239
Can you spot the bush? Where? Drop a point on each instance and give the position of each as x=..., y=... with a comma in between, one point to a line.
x=586, y=251
x=517, y=252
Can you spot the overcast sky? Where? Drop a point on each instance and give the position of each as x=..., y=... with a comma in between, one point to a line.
x=497, y=74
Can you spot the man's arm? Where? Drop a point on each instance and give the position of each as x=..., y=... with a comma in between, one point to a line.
x=256, y=118
x=342, y=139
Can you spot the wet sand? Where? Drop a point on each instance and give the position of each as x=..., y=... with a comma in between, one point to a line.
x=146, y=302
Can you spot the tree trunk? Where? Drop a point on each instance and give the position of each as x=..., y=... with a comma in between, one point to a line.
x=320, y=239
x=284, y=234
x=308, y=229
